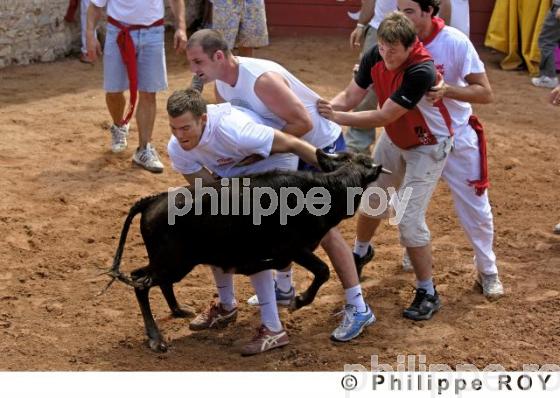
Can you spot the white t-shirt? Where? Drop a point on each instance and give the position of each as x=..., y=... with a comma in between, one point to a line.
x=455, y=58
x=382, y=9
x=230, y=135
x=133, y=12
x=324, y=132
x=460, y=17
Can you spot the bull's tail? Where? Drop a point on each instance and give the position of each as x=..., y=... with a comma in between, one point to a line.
x=115, y=272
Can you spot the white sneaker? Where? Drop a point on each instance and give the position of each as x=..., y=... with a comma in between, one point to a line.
x=557, y=229
x=148, y=158
x=491, y=285
x=545, y=81
x=118, y=138
x=406, y=263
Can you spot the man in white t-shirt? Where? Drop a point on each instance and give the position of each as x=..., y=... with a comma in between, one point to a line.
x=286, y=104
x=214, y=141
x=465, y=82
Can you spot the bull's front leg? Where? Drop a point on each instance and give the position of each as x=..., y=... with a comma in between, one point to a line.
x=320, y=271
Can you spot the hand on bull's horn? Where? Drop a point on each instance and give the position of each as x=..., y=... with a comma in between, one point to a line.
x=326, y=110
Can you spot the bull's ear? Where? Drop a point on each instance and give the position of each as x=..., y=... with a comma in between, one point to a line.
x=327, y=162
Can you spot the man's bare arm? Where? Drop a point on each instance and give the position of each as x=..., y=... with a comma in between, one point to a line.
x=276, y=94
x=390, y=112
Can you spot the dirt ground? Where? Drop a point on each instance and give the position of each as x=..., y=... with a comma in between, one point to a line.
x=64, y=196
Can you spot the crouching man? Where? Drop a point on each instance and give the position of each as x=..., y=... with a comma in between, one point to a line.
x=215, y=141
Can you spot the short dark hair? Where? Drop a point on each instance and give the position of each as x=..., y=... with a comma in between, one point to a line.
x=210, y=40
x=424, y=4
x=397, y=28
x=183, y=101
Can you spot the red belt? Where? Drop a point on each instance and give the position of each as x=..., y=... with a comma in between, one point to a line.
x=480, y=185
x=128, y=53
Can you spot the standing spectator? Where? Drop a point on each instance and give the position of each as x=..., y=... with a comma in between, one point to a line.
x=548, y=41
x=134, y=58
x=84, y=5
x=242, y=23
x=372, y=13
x=555, y=100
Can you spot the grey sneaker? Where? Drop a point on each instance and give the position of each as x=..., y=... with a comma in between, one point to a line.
x=353, y=323
x=545, y=81
x=118, y=138
x=406, y=263
x=148, y=158
x=491, y=285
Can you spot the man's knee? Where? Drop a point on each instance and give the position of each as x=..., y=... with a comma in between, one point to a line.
x=414, y=234
x=146, y=97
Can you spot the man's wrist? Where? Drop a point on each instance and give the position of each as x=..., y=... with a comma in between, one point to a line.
x=360, y=26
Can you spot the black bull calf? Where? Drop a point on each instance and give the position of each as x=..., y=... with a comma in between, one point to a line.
x=233, y=242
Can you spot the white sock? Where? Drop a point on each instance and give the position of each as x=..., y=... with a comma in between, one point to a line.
x=361, y=248
x=224, y=283
x=354, y=297
x=427, y=284
x=284, y=280
x=264, y=287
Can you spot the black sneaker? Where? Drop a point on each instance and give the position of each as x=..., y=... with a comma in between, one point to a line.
x=361, y=261
x=423, y=307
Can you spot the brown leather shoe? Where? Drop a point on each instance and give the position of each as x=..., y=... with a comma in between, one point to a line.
x=265, y=340
x=214, y=317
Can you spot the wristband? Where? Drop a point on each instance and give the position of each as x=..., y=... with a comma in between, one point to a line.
x=360, y=25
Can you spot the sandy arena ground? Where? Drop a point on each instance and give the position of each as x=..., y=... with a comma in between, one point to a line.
x=64, y=197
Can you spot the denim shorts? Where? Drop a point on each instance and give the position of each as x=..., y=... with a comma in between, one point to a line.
x=150, y=58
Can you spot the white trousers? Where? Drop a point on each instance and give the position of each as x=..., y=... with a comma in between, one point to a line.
x=474, y=212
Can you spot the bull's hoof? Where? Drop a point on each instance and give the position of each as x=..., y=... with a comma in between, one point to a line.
x=182, y=313
x=158, y=345
x=296, y=303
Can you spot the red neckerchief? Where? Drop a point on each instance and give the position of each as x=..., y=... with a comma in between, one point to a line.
x=437, y=25
x=128, y=54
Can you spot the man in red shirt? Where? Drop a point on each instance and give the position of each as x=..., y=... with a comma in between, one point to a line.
x=414, y=146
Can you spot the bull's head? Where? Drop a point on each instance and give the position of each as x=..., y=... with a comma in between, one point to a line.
x=364, y=163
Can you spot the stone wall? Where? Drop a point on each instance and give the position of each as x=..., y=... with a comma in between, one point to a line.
x=35, y=31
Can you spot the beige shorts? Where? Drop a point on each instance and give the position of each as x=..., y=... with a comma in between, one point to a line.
x=415, y=175
x=241, y=22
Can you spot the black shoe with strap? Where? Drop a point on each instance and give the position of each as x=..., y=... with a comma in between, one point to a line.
x=361, y=261
x=424, y=306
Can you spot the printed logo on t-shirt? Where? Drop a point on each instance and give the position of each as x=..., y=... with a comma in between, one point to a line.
x=224, y=161
x=406, y=99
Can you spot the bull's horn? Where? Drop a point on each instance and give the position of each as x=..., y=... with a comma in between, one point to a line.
x=384, y=170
